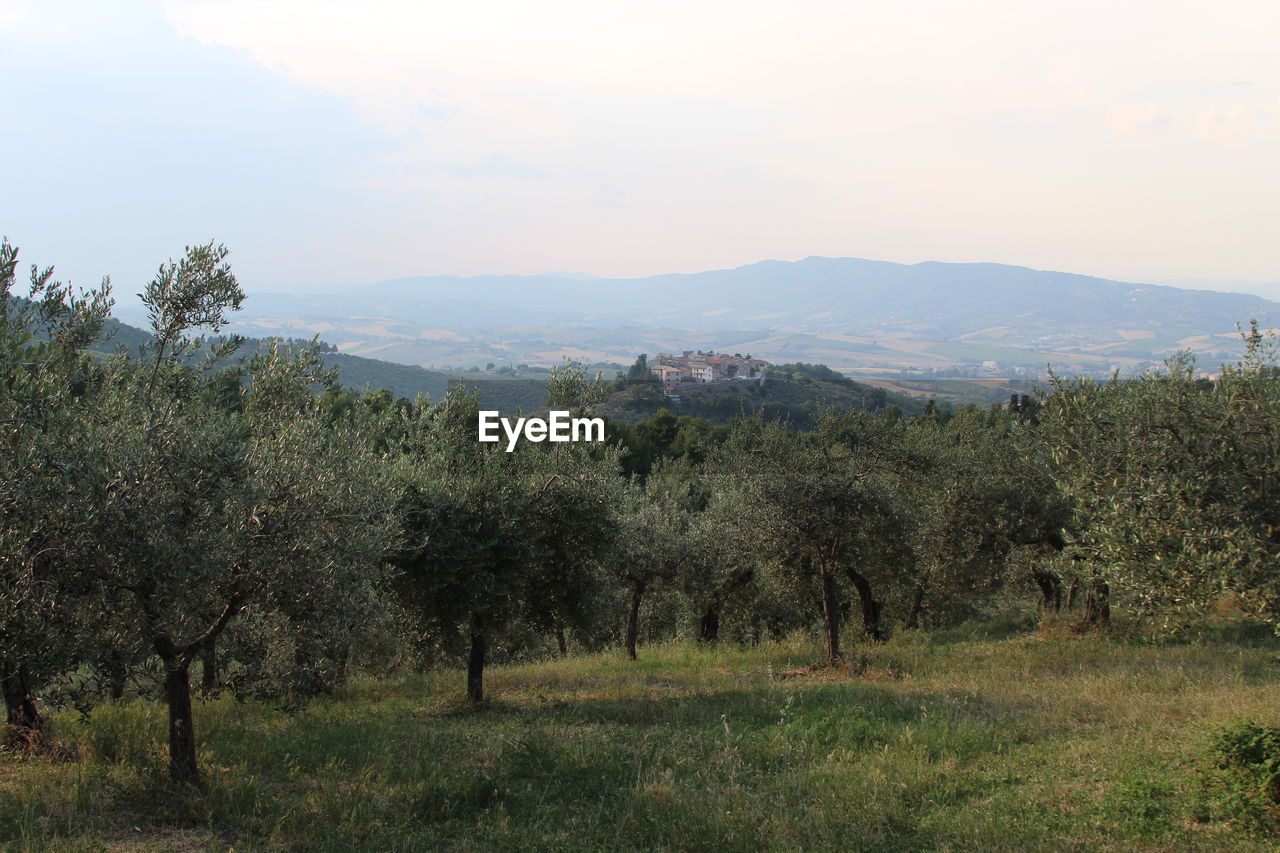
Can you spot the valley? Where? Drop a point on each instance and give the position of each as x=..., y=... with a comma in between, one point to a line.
x=867, y=319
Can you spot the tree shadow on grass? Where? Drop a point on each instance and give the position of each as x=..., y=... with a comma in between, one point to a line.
x=663, y=769
x=617, y=756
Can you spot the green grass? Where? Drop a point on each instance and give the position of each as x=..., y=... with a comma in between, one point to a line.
x=968, y=740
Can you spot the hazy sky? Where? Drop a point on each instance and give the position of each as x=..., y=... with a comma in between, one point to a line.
x=330, y=142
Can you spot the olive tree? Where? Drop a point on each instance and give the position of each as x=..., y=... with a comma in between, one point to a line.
x=205, y=512
x=1175, y=482
x=818, y=507
x=723, y=563
x=42, y=340
x=655, y=540
x=494, y=539
x=985, y=493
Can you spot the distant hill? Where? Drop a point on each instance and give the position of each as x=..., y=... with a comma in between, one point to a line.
x=959, y=392
x=856, y=315
x=506, y=395
x=117, y=335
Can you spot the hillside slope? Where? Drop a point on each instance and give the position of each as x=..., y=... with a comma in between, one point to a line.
x=407, y=381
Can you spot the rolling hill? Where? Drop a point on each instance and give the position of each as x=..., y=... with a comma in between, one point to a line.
x=358, y=373
x=859, y=316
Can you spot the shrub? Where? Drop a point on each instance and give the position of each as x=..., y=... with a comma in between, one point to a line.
x=1248, y=779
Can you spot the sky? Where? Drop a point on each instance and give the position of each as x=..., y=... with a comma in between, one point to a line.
x=331, y=143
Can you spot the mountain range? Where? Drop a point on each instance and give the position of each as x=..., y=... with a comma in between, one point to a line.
x=858, y=316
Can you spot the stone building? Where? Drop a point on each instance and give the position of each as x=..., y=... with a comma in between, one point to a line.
x=702, y=368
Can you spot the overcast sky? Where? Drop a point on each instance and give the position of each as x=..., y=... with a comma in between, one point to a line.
x=335, y=142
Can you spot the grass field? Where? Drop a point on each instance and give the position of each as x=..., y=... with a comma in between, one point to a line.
x=961, y=740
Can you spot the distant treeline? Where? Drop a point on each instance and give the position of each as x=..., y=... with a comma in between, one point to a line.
x=796, y=394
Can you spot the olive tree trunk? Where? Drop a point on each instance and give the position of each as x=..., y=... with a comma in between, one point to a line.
x=633, y=618
x=1050, y=590
x=177, y=690
x=830, y=613
x=709, y=623
x=19, y=704
x=917, y=607
x=182, y=735
x=209, y=667
x=117, y=674
x=870, y=607
x=475, y=667
x=1097, y=605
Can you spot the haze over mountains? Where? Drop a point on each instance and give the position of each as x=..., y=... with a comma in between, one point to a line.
x=855, y=315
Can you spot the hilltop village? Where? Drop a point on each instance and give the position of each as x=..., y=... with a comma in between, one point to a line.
x=707, y=367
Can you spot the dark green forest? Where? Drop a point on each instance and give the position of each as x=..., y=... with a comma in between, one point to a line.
x=189, y=517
